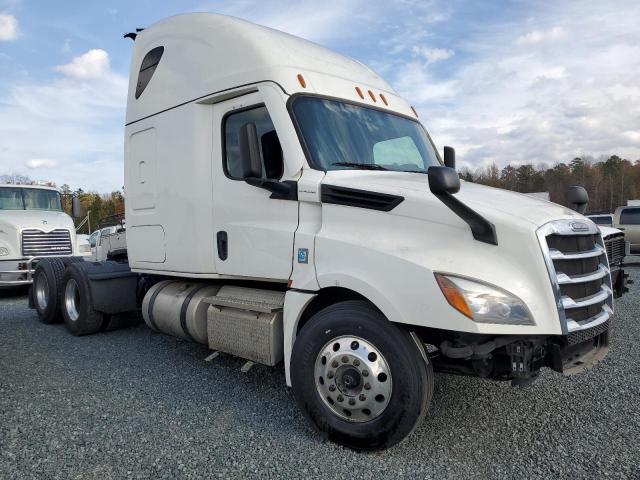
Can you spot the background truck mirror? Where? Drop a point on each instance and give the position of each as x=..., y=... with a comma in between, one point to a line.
x=77, y=210
x=577, y=197
x=249, y=151
x=450, y=157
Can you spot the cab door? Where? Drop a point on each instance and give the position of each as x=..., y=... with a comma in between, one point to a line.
x=254, y=233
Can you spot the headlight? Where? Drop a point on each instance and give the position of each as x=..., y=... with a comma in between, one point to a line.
x=4, y=251
x=483, y=303
x=84, y=248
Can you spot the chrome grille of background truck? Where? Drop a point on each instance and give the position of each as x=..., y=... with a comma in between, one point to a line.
x=615, y=248
x=38, y=243
x=579, y=271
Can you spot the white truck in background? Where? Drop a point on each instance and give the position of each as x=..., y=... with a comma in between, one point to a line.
x=628, y=219
x=108, y=243
x=33, y=226
x=284, y=204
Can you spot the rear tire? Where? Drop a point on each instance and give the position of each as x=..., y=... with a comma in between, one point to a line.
x=69, y=260
x=77, y=305
x=360, y=379
x=45, y=292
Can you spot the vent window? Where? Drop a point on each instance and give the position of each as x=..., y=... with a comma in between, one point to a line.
x=147, y=69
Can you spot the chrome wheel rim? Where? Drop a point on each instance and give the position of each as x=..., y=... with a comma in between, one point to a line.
x=353, y=378
x=42, y=291
x=72, y=299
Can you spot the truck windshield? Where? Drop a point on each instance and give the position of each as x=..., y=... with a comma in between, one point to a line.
x=15, y=198
x=342, y=135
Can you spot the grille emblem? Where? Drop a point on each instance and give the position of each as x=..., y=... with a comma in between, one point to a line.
x=44, y=222
x=579, y=226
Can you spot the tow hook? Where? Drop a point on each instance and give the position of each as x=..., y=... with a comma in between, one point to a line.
x=525, y=361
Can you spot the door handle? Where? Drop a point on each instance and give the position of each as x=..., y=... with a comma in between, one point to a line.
x=223, y=245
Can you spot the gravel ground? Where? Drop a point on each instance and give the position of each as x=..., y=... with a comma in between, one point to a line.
x=136, y=404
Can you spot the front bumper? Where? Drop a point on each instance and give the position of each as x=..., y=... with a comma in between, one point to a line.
x=520, y=358
x=18, y=272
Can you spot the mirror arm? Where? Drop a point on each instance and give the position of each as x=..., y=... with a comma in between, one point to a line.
x=481, y=228
x=287, y=190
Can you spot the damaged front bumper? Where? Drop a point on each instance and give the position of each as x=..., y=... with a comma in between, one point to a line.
x=520, y=358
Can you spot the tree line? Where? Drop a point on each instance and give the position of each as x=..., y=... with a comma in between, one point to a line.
x=610, y=183
x=103, y=208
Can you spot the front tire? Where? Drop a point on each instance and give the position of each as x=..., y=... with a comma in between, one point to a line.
x=359, y=378
x=77, y=305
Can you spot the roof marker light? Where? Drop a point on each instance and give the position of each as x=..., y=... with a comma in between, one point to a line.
x=373, y=97
x=384, y=99
x=301, y=80
x=359, y=92
x=414, y=111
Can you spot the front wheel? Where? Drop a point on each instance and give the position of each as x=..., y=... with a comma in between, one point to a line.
x=360, y=379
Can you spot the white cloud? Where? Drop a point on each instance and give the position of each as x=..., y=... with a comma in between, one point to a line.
x=90, y=65
x=8, y=27
x=417, y=84
x=40, y=163
x=76, y=120
x=538, y=36
x=556, y=100
x=333, y=20
x=432, y=55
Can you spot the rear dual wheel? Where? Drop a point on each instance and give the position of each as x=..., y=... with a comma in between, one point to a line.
x=77, y=306
x=361, y=380
x=46, y=291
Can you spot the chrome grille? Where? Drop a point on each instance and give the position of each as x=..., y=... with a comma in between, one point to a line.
x=615, y=249
x=577, y=262
x=36, y=243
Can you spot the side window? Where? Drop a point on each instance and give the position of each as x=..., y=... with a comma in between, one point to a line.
x=147, y=68
x=92, y=239
x=630, y=216
x=270, y=149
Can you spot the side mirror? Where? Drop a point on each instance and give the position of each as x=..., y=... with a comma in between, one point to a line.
x=443, y=183
x=250, y=162
x=450, y=157
x=443, y=180
x=578, y=198
x=77, y=210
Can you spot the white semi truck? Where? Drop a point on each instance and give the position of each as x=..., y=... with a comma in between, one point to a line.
x=284, y=204
x=33, y=226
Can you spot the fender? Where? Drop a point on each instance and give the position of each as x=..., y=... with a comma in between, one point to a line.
x=113, y=286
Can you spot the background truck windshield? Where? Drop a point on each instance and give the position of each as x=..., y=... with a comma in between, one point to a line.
x=344, y=136
x=13, y=198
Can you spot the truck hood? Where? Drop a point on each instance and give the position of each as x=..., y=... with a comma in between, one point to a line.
x=492, y=202
x=45, y=220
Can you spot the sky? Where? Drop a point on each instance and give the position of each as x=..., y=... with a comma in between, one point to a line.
x=501, y=81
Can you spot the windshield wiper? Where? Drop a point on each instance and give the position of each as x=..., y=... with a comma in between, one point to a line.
x=361, y=166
